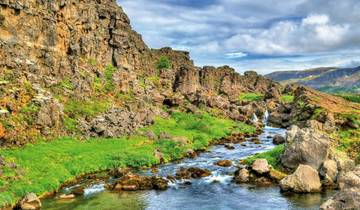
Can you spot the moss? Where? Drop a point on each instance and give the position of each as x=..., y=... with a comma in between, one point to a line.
x=287, y=98
x=248, y=97
x=70, y=124
x=86, y=108
x=67, y=84
x=92, y=61
x=63, y=159
x=318, y=114
x=109, y=74
x=272, y=156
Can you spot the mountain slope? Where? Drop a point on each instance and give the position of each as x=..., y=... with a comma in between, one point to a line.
x=325, y=79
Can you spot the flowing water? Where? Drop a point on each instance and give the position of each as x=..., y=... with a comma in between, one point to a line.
x=216, y=192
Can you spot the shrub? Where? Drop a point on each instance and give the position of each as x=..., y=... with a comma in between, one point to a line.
x=163, y=63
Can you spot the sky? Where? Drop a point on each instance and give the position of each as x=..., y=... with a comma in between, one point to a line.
x=260, y=35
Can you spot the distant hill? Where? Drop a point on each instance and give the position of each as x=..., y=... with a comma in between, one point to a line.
x=327, y=79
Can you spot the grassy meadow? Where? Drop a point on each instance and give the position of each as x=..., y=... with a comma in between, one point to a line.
x=44, y=166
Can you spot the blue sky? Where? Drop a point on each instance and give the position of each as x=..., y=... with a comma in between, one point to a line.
x=261, y=35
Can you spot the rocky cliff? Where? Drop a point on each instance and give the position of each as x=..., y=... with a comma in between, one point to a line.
x=75, y=67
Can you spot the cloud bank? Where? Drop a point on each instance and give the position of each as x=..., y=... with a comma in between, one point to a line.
x=262, y=35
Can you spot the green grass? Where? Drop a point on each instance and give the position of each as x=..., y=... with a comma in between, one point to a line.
x=109, y=74
x=44, y=166
x=272, y=156
x=248, y=97
x=287, y=99
x=85, y=108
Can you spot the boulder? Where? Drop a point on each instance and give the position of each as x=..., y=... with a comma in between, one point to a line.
x=329, y=172
x=305, y=146
x=348, y=199
x=229, y=146
x=242, y=176
x=30, y=202
x=276, y=175
x=195, y=173
x=304, y=180
x=349, y=195
x=134, y=182
x=278, y=139
x=350, y=179
x=224, y=163
x=261, y=166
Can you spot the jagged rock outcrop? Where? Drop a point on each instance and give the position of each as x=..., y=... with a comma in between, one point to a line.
x=79, y=52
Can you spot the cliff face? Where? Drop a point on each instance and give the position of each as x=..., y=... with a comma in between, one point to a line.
x=59, y=57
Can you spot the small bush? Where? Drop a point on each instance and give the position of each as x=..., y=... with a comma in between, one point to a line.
x=163, y=63
x=248, y=97
x=287, y=99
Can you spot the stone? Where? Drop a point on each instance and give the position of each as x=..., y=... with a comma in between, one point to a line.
x=278, y=139
x=134, y=182
x=261, y=166
x=229, y=146
x=224, y=163
x=191, y=153
x=305, y=146
x=30, y=202
x=350, y=179
x=195, y=173
x=345, y=199
x=304, y=180
x=242, y=176
x=66, y=196
x=159, y=155
x=329, y=172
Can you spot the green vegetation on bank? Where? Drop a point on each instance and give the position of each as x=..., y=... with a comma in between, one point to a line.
x=272, y=156
x=44, y=166
x=249, y=97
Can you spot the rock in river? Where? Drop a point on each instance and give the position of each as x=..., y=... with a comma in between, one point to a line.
x=261, y=166
x=278, y=139
x=304, y=180
x=195, y=173
x=224, y=163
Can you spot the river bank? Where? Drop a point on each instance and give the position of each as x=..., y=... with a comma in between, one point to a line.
x=43, y=167
x=214, y=192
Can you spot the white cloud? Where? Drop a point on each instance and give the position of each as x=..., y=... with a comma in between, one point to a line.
x=315, y=33
x=236, y=55
x=215, y=30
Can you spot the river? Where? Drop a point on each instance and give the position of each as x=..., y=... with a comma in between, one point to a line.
x=216, y=192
